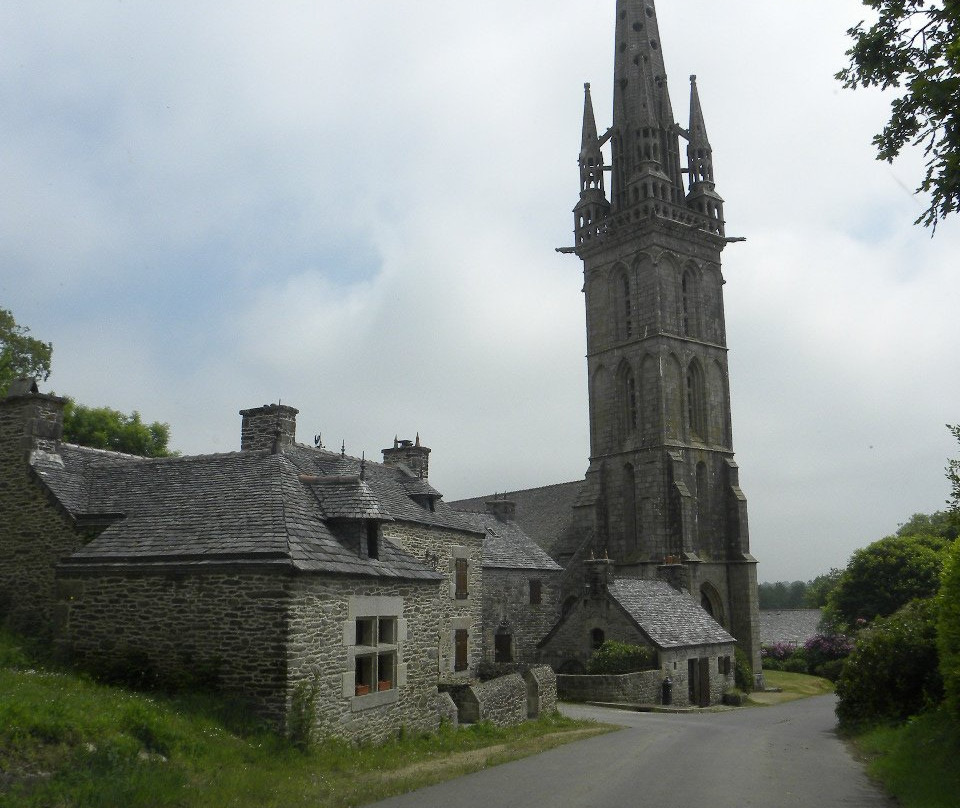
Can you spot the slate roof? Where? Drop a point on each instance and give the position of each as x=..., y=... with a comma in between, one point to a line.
x=544, y=514
x=506, y=546
x=670, y=618
x=241, y=507
x=388, y=484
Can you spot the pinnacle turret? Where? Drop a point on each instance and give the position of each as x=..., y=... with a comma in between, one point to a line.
x=593, y=206
x=702, y=197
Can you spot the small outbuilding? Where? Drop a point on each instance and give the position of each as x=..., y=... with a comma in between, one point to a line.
x=693, y=651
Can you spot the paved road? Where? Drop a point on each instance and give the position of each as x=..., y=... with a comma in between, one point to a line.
x=776, y=757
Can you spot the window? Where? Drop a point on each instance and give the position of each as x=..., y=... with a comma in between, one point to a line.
x=689, y=304
x=696, y=404
x=536, y=592
x=460, y=638
x=375, y=655
x=503, y=648
x=460, y=573
x=596, y=638
x=626, y=326
x=373, y=538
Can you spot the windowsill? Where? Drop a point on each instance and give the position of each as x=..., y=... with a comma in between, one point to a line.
x=372, y=700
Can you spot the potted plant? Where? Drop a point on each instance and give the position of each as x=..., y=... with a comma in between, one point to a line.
x=384, y=684
x=362, y=690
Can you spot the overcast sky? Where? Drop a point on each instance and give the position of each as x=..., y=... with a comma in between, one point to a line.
x=353, y=208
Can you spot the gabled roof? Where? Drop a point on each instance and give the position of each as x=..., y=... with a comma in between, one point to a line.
x=236, y=508
x=669, y=617
x=388, y=483
x=544, y=514
x=506, y=546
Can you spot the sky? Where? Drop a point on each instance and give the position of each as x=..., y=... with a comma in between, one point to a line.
x=353, y=208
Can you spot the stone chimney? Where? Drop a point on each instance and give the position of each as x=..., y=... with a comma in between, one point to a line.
x=31, y=422
x=410, y=454
x=504, y=509
x=272, y=427
x=597, y=572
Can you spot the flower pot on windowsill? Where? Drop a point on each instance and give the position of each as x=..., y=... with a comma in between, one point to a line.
x=384, y=685
x=362, y=690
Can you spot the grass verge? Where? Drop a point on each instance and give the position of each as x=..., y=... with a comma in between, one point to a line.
x=68, y=741
x=791, y=686
x=916, y=761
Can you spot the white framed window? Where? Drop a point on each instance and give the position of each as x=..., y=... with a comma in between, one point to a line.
x=374, y=637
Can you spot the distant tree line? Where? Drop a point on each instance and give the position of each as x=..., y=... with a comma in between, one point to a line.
x=798, y=594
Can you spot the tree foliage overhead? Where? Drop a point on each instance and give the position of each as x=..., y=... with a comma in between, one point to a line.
x=915, y=46
x=21, y=355
x=105, y=428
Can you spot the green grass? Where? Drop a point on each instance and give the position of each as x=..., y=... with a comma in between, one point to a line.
x=792, y=686
x=916, y=761
x=68, y=741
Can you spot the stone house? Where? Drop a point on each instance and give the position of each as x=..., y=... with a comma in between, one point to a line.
x=693, y=651
x=278, y=570
x=521, y=586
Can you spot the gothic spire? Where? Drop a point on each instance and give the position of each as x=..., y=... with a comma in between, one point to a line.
x=645, y=147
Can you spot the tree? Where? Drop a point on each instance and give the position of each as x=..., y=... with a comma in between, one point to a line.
x=892, y=672
x=944, y=524
x=820, y=588
x=915, y=45
x=883, y=576
x=20, y=354
x=948, y=629
x=104, y=428
x=953, y=476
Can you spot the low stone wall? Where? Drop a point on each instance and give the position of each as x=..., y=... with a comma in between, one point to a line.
x=541, y=684
x=642, y=687
x=501, y=701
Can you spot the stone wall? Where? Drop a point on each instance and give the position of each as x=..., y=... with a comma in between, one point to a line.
x=438, y=548
x=642, y=687
x=321, y=654
x=275, y=641
x=570, y=646
x=675, y=663
x=34, y=530
x=501, y=701
x=232, y=622
x=541, y=684
x=506, y=604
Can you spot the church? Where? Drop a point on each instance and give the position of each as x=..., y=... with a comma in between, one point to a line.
x=661, y=498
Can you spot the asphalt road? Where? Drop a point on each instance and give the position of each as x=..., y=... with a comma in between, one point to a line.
x=775, y=757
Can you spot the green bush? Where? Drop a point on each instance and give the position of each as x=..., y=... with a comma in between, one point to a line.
x=948, y=630
x=892, y=672
x=619, y=657
x=742, y=671
x=829, y=670
x=795, y=664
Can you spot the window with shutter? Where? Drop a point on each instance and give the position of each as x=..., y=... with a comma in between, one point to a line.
x=460, y=571
x=460, y=649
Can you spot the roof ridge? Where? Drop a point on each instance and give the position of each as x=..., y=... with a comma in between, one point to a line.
x=502, y=494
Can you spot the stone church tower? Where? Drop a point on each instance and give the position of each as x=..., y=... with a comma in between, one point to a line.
x=662, y=496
